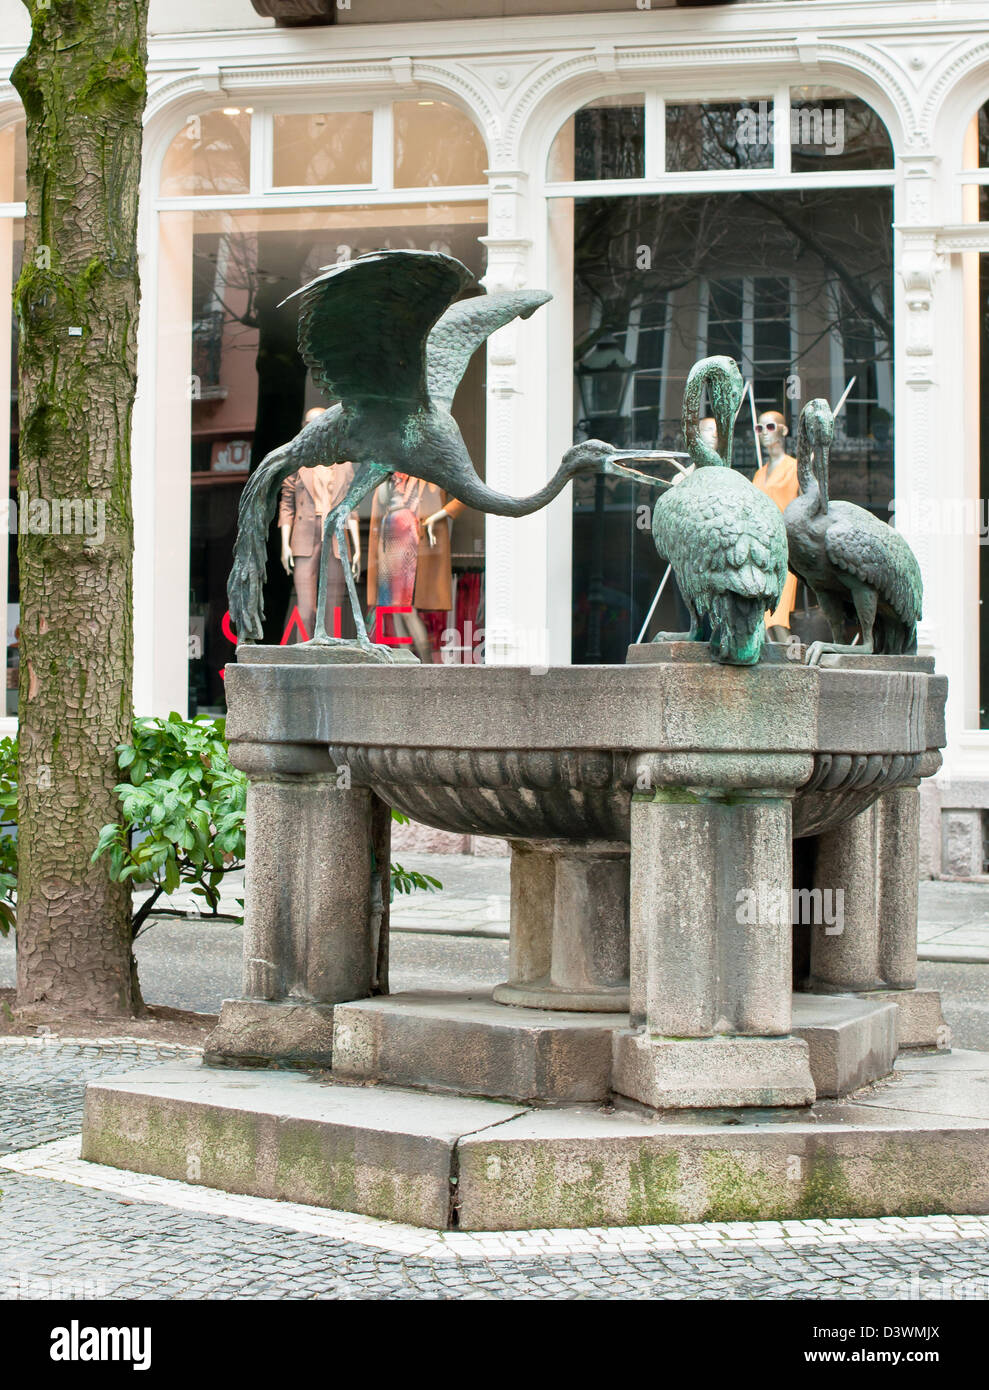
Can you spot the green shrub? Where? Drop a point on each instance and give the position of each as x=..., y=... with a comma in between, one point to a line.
x=182, y=812
x=182, y=819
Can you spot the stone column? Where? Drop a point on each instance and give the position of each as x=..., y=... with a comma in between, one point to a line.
x=569, y=927
x=711, y=941
x=868, y=869
x=312, y=921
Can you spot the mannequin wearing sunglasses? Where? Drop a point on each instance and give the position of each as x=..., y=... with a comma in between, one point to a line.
x=777, y=478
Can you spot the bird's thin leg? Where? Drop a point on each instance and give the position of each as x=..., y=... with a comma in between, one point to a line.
x=866, y=602
x=689, y=636
x=319, y=631
x=367, y=478
x=340, y=531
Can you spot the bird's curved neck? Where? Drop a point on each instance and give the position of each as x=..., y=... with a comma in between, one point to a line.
x=467, y=487
x=723, y=406
x=812, y=470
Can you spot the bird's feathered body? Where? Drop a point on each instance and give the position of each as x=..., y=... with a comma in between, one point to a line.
x=724, y=539
x=851, y=542
x=861, y=570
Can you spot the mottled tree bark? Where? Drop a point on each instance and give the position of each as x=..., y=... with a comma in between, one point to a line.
x=83, y=85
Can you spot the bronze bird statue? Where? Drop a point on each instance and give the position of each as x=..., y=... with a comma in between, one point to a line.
x=862, y=571
x=383, y=336
x=724, y=539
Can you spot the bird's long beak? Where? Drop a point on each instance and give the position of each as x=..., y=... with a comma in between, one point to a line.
x=642, y=456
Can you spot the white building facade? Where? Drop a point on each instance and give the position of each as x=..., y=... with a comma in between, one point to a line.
x=468, y=143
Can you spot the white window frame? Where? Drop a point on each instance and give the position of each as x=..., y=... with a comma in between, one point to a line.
x=381, y=190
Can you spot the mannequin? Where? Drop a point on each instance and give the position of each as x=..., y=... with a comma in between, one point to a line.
x=409, y=555
x=307, y=497
x=777, y=478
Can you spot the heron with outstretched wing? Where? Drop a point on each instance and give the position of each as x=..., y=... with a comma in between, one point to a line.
x=383, y=335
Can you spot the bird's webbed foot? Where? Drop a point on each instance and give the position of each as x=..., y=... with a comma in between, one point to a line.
x=354, y=649
x=818, y=649
x=690, y=636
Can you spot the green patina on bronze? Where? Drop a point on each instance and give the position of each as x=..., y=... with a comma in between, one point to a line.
x=383, y=336
x=724, y=539
x=861, y=570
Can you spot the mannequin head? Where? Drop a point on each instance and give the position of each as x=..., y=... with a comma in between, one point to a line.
x=708, y=431
x=772, y=431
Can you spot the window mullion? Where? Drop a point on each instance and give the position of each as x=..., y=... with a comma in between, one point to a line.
x=383, y=147
x=781, y=131
x=655, y=136
x=261, y=152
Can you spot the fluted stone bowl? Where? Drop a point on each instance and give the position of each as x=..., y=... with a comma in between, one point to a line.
x=558, y=754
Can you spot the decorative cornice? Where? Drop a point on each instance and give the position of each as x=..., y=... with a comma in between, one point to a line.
x=968, y=58
x=635, y=61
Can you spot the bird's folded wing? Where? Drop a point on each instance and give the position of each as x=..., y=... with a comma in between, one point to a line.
x=462, y=330
x=363, y=325
x=875, y=554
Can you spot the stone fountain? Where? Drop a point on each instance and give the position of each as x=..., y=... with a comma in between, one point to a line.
x=661, y=1050
x=711, y=1008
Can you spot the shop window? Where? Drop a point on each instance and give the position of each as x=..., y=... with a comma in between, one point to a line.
x=762, y=278
x=251, y=391
x=603, y=140
x=719, y=135
x=436, y=145
x=13, y=163
x=321, y=149
x=831, y=131
x=210, y=155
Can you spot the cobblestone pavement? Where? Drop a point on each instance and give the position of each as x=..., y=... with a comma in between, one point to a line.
x=158, y=1240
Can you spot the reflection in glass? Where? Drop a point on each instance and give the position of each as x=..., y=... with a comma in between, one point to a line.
x=321, y=149
x=719, y=135
x=13, y=163
x=11, y=261
x=796, y=286
x=210, y=154
x=603, y=140
x=830, y=130
x=251, y=388
x=436, y=145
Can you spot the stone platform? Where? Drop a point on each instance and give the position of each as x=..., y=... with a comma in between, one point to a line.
x=917, y=1143
x=471, y=1045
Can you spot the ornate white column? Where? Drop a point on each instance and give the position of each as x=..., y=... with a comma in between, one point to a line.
x=916, y=383
x=514, y=548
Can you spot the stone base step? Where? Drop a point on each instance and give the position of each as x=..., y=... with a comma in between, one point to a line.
x=468, y=1044
x=851, y=1041
x=471, y=1045
x=915, y=1144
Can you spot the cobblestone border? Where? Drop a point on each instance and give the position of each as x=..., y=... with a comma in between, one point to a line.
x=59, y=1162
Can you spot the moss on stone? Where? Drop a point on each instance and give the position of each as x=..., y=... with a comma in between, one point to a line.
x=825, y=1191
x=654, y=1189
x=734, y=1191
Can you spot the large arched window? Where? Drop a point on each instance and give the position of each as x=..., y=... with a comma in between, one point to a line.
x=758, y=226
x=253, y=201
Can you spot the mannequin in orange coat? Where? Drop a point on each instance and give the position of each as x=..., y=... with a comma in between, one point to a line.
x=777, y=478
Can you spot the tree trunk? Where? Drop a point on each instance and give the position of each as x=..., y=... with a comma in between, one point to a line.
x=82, y=82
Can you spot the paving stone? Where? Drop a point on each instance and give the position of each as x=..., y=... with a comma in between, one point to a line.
x=62, y=1240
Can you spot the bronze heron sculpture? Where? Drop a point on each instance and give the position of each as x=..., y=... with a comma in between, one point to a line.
x=383, y=335
x=724, y=539
x=861, y=570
